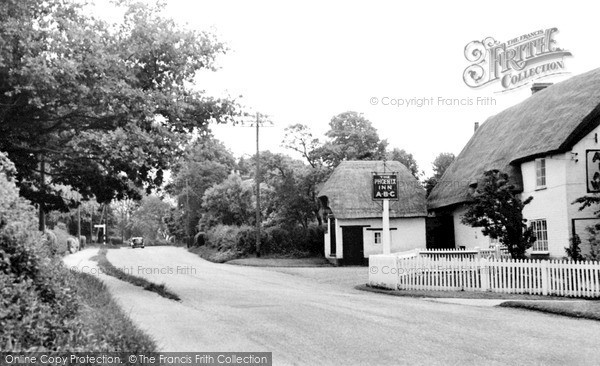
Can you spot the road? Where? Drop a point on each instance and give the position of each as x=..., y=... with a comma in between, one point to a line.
x=314, y=316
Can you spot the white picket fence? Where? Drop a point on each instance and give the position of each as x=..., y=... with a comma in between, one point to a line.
x=467, y=273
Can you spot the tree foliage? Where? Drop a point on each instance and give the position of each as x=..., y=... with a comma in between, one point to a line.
x=103, y=108
x=499, y=212
x=351, y=137
x=406, y=158
x=440, y=164
x=205, y=163
x=233, y=202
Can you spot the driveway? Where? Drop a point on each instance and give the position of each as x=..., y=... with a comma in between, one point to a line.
x=315, y=317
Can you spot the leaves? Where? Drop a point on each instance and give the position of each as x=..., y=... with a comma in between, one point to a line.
x=497, y=209
x=105, y=107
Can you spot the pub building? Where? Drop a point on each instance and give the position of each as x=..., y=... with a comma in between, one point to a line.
x=352, y=206
x=548, y=144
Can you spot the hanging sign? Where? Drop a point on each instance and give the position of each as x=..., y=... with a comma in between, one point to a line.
x=385, y=186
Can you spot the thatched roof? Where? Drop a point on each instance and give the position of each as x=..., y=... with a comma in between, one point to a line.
x=550, y=121
x=349, y=191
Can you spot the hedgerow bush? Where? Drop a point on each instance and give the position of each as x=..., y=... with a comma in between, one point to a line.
x=37, y=306
x=275, y=240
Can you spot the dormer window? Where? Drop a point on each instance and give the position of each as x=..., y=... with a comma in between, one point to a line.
x=540, y=173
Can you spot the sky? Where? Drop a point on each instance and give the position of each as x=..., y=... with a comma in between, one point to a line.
x=307, y=61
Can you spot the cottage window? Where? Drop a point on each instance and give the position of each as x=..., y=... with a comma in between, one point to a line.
x=540, y=230
x=540, y=173
x=377, y=237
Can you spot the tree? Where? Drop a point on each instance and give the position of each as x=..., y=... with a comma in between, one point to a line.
x=440, y=164
x=294, y=201
x=101, y=108
x=299, y=138
x=233, y=202
x=498, y=210
x=351, y=137
x=407, y=159
x=148, y=220
x=205, y=163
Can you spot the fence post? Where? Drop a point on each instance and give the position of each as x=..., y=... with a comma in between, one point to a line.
x=544, y=277
x=497, y=247
x=483, y=272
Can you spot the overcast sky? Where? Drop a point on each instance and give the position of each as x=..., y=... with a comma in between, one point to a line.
x=306, y=61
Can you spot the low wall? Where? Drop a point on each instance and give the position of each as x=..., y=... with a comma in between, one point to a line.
x=383, y=271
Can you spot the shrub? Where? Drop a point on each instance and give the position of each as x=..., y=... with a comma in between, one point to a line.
x=37, y=306
x=61, y=247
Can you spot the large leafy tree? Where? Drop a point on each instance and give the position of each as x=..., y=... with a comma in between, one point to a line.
x=233, y=202
x=102, y=108
x=351, y=137
x=498, y=210
x=440, y=164
x=205, y=163
x=293, y=187
x=405, y=158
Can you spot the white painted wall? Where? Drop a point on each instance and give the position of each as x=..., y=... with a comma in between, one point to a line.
x=467, y=236
x=576, y=187
x=549, y=203
x=409, y=234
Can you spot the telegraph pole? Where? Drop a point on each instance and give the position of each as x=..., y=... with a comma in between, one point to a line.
x=260, y=119
x=257, y=189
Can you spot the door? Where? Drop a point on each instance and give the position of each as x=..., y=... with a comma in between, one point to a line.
x=332, y=243
x=440, y=232
x=352, y=239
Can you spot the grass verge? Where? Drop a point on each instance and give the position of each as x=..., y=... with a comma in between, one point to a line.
x=105, y=322
x=584, y=309
x=111, y=270
x=462, y=294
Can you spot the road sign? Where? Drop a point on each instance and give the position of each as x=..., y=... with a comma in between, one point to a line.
x=385, y=186
x=103, y=226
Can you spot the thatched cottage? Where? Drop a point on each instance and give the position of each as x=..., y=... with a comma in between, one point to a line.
x=354, y=219
x=549, y=146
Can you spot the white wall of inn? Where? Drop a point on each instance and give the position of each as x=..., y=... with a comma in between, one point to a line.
x=405, y=234
x=467, y=236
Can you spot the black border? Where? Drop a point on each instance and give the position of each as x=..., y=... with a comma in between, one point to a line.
x=587, y=175
x=373, y=187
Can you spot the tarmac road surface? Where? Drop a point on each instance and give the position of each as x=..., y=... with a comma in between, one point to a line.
x=306, y=322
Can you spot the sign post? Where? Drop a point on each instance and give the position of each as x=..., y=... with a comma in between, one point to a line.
x=385, y=188
x=103, y=227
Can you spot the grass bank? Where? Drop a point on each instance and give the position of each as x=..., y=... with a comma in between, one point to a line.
x=109, y=269
x=103, y=321
x=585, y=309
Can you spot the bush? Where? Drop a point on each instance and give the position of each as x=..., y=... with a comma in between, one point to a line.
x=275, y=240
x=37, y=306
x=61, y=247
x=295, y=241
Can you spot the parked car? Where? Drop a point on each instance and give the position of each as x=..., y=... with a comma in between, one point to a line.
x=137, y=241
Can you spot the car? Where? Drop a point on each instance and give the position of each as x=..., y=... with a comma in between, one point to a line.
x=137, y=241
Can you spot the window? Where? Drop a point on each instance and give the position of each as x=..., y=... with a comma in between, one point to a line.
x=377, y=237
x=540, y=173
x=540, y=230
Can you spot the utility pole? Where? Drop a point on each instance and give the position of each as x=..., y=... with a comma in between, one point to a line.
x=257, y=188
x=187, y=211
x=42, y=214
x=260, y=119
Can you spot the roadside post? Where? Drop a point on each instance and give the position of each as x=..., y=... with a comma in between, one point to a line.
x=103, y=227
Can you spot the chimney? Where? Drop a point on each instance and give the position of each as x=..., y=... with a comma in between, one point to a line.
x=536, y=87
x=475, y=127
